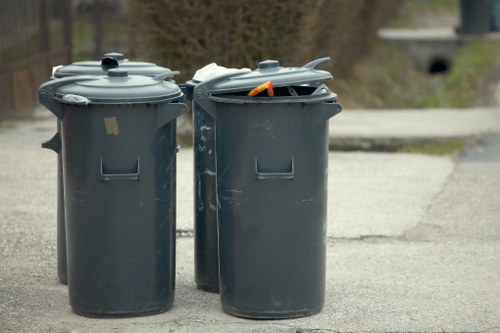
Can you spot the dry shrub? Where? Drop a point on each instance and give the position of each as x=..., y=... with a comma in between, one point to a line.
x=186, y=35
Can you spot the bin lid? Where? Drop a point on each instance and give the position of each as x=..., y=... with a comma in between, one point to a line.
x=117, y=87
x=110, y=60
x=270, y=70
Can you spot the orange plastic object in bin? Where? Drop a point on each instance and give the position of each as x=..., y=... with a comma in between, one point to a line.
x=266, y=85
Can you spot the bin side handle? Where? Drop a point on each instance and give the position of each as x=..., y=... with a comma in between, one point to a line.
x=289, y=174
x=323, y=111
x=105, y=176
x=54, y=143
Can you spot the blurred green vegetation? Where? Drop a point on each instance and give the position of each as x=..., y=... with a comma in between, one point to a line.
x=440, y=147
x=187, y=35
x=115, y=37
x=83, y=31
x=462, y=85
x=369, y=73
x=387, y=78
x=413, y=9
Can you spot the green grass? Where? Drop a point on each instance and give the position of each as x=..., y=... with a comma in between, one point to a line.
x=439, y=147
x=431, y=5
x=412, y=8
x=114, y=32
x=387, y=78
x=82, y=31
x=460, y=87
x=396, y=83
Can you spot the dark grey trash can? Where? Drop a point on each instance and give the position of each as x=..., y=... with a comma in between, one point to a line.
x=206, y=266
x=272, y=167
x=476, y=16
x=119, y=166
x=109, y=61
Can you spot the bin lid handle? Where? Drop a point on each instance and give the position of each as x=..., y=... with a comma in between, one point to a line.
x=316, y=62
x=164, y=76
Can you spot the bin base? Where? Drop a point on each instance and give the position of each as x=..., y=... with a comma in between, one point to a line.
x=63, y=279
x=121, y=314
x=210, y=289
x=271, y=314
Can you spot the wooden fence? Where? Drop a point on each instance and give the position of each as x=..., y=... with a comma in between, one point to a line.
x=35, y=35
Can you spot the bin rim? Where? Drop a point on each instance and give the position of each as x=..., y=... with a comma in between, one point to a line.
x=115, y=88
x=135, y=100
x=235, y=99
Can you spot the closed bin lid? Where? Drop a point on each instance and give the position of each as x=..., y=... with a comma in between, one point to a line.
x=270, y=70
x=110, y=60
x=117, y=87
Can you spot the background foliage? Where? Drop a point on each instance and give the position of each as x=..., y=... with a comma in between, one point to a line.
x=189, y=34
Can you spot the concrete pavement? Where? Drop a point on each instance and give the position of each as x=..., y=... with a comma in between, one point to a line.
x=389, y=130
x=413, y=240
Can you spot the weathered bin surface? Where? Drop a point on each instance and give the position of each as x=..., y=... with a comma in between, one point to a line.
x=272, y=162
x=109, y=61
x=119, y=166
x=206, y=266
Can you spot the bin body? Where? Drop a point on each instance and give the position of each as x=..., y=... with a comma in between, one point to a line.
x=97, y=68
x=205, y=199
x=476, y=16
x=271, y=167
x=119, y=166
x=120, y=232
x=272, y=173
x=206, y=258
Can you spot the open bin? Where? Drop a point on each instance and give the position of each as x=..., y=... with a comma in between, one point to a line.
x=272, y=163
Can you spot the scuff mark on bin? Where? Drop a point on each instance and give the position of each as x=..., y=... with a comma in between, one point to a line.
x=276, y=302
x=199, y=183
x=235, y=156
x=200, y=205
x=81, y=198
x=237, y=201
x=208, y=172
x=201, y=147
x=305, y=201
x=163, y=137
x=267, y=127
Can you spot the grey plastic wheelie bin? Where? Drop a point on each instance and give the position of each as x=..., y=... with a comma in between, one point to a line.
x=119, y=167
x=206, y=260
x=109, y=61
x=476, y=16
x=271, y=165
